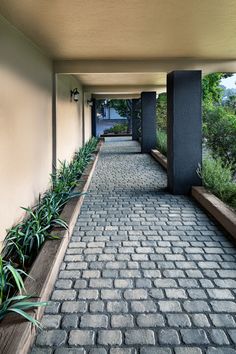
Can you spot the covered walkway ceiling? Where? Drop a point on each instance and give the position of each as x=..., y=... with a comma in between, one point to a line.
x=125, y=46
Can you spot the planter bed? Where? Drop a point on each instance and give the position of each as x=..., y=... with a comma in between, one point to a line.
x=223, y=214
x=17, y=334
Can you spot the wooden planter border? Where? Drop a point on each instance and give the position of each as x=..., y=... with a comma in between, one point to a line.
x=159, y=157
x=223, y=214
x=16, y=334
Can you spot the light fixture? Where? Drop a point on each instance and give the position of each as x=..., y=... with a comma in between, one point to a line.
x=74, y=94
x=90, y=103
x=107, y=103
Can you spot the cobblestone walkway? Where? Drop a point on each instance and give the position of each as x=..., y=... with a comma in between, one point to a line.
x=145, y=272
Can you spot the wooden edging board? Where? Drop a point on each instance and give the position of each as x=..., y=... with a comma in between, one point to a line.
x=16, y=334
x=224, y=215
x=159, y=157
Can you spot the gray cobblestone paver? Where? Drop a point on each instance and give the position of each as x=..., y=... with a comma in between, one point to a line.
x=144, y=272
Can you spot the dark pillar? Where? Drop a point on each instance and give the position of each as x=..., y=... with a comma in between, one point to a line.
x=148, y=121
x=184, y=130
x=54, y=123
x=83, y=118
x=135, y=120
x=94, y=118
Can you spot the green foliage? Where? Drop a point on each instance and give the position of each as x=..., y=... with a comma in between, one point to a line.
x=211, y=90
x=211, y=93
x=231, y=104
x=228, y=92
x=124, y=108
x=24, y=240
x=217, y=177
x=219, y=128
x=117, y=128
x=10, y=279
x=19, y=305
x=161, y=109
x=162, y=142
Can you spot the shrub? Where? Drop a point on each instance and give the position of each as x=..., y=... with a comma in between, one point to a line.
x=162, y=141
x=217, y=177
x=219, y=129
x=161, y=111
x=117, y=128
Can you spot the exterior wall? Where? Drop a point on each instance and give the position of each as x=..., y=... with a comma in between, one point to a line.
x=25, y=119
x=87, y=118
x=26, y=123
x=69, y=118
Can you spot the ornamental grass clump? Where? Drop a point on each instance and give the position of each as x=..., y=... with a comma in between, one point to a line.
x=217, y=176
x=24, y=240
x=162, y=142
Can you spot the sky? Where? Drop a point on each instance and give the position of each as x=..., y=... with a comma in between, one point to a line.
x=230, y=82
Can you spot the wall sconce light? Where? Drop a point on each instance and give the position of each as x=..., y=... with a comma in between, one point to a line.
x=74, y=94
x=106, y=103
x=90, y=103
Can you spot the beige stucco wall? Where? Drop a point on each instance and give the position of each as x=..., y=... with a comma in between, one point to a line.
x=87, y=118
x=26, y=123
x=25, y=120
x=69, y=118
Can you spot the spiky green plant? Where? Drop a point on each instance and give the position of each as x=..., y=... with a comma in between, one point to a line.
x=11, y=281
x=10, y=278
x=24, y=240
x=19, y=305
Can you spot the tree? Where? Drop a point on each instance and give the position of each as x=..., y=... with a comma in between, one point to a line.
x=212, y=92
x=220, y=131
x=219, y=120
x=231, y=103
x=124, y=108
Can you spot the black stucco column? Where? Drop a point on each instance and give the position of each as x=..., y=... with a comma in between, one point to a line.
x=184, y=130
x=135, y=120
x=94, y=118
x=148, y=121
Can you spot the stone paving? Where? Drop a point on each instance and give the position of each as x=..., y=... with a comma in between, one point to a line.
x=145, y=272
